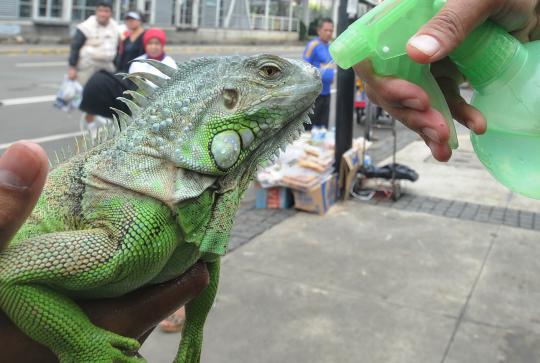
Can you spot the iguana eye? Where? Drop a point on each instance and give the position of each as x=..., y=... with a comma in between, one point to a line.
x=270, y=71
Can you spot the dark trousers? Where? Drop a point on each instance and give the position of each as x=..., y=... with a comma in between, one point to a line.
x=100, y=92
x=321, y=114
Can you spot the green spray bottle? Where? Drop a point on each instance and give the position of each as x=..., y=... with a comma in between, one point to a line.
x=504, y=73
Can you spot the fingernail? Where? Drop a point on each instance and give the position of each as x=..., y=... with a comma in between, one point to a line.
x=431, y=134
x=426, y=44
x=413, y=103
x=19, y=167
x=431, y=145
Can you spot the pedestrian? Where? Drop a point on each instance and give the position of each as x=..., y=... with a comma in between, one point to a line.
x=131, y=44
x=317, y=54
x=104, y=87
x=94, y=44
x=154, y=40
x=410, y=104
x=93, y=48
x=154, y=45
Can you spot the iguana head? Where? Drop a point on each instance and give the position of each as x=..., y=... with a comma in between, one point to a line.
x=222, y=116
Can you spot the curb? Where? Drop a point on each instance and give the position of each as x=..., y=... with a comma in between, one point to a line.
x=35, y=51
x=191, y=49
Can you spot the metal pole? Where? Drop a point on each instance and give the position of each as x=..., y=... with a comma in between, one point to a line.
x=290, y=14
x=218, y=10
x=266, y=13
x=345, y=95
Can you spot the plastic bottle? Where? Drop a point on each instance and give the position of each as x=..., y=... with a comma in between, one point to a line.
x=504, y=73
x=367, y=160
x=330, y=138
x=315, y=134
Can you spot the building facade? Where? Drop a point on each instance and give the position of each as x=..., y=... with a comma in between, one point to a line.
x=273, y=15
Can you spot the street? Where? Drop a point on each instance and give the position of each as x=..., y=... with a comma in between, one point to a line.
x=29, y=83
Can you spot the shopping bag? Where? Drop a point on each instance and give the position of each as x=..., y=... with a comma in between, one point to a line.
x=69, y=95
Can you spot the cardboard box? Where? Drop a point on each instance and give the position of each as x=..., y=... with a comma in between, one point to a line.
x=273, y=198
x=319, y=198
x=351, y=161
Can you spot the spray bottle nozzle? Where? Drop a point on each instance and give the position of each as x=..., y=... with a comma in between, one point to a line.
x=350, y=48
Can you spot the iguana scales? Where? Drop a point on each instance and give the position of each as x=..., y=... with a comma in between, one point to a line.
x=149, y=201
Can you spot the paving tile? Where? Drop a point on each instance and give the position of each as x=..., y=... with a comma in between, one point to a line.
x=402, y=258
x=508, y=291
x=477, y=343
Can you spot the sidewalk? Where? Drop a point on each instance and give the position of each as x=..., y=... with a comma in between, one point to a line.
x=449, y=274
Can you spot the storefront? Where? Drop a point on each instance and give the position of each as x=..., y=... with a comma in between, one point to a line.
x=185, y=14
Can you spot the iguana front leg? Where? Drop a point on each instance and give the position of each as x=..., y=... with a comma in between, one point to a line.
x=37, y=274
x=196, y=313
x=31, y=273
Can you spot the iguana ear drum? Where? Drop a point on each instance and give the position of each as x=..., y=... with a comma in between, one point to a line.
x=230, y=97
x=225, y=149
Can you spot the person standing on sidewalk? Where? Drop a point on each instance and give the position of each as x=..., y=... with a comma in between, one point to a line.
x=94, y=44
x=93, y=48
x=318, y=55
x=154, y=40
x=131, y=45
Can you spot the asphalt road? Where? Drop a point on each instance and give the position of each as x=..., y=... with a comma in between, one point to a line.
x=28, y=86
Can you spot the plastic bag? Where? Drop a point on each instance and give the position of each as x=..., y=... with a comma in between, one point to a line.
x=69, y=95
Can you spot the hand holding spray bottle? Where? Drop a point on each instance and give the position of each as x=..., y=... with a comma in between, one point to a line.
x=504, y=73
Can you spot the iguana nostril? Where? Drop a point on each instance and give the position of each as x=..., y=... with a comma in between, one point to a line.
x=225, y=148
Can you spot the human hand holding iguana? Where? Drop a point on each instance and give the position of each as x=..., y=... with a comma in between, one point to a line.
x=23, y=170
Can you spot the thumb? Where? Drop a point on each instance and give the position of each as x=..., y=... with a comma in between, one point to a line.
x=446, y=30
x=23, y=170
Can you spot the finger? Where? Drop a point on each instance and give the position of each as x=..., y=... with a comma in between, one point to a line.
x=410, y=104
x=446, y=30
x=529, y=31
x=461, y=111
x=390, y=91
x=519, y=17
x=132, y=315
x=440, y=152
x=23, y=170
x=429, y=124
x=17, y=347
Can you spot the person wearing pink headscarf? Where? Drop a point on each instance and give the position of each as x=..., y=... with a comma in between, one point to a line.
x=154, y=46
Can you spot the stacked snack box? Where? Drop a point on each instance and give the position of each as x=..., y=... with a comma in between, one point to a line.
x=307, y=169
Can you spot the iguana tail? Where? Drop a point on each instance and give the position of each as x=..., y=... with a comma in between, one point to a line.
x=196, y=313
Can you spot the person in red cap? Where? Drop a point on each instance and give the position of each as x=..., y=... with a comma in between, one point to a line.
x=154, y=47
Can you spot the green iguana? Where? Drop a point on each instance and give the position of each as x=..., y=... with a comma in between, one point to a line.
x=149, y=201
